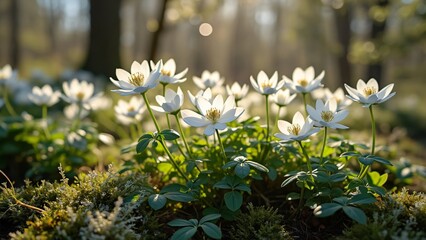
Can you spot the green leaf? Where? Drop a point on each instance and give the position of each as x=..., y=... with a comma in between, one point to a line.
x=179, y=197
x=222, y=185
x=180, y=223
x=382, y=180
x=322, y=177
x=142, y=145
x=184, y=233
x=211, y=230
x=272, y=173
x=350, y=154
x=229, y=164
x=338, y=177
x=341, y=200
x=170, y=134
x=209, y=218
x=365, y=198
x=157, y=201
x=293, y=196
x=327, y=209
x=355, y=214
x=258, y=166
x=366, y=160
x=243, y=187
x=242, y=170
x=174, y=187
x=233, y=200
x=146, y=136
x=3, y=130
x=381, y=160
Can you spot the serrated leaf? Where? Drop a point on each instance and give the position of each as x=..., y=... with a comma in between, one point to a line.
x=180, y=223
x=233, y=200
x=170, y=134
x=327, y=209
x=211, y=230
x=209, y=218
x=184, y=233
x=179, y=197
x=157, y=201
x=355, y=214
x=242, y=170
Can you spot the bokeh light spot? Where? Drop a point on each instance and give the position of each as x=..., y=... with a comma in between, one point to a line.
x=205, y=29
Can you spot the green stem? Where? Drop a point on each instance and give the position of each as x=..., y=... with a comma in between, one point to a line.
x=167, y=115
x=7, y=103
x=18, y=201
x=183, y=135
x=365, y=169
x=324, y=144
x=150, y=112
x=277, y=118
x=221, y=145
x=305, y=104
x=172, y=160
x=44, y=118
x=77, y=119
x=267, y=117
x=308, y=162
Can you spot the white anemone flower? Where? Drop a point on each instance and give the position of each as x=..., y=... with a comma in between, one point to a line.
x=71, y=112
x=44, y=96
x=298, y=130
x=304, y=81
x=283, y=97
x=238, y=91
x=170, y=103
x=208, y=80
x=207, y=94
x=132, y=108
x=265, y=85
x=80, y=93
x=214, y=116
x=139, y=80
x=326, y=115
x=168, y=73
x=339, y=95
x=368, y=93
x=5, y=72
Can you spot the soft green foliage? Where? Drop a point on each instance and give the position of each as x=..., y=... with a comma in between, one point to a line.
x=259, y=223
x=97, y=205
x=399, y=215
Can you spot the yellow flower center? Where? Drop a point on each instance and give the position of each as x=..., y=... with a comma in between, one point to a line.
x=327, y=116
x=213, y=114
x=137, y=79
x=131, y=109
x=166, y=72
x=303, y=82
x=294, y=129
x=266, y=84
x=369, y=91
x=80, y=96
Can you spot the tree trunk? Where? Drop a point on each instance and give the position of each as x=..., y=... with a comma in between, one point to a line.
x=343, y=21
x=103, y=55
x=156, y=35
x=14, y=34
x=375, y=70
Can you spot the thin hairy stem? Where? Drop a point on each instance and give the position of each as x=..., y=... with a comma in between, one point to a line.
x=150, y=112
x=324, y=143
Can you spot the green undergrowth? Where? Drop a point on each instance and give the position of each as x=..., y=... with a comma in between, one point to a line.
x=400, y=215
x=98, y=205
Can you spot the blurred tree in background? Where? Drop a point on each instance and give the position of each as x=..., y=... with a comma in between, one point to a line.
x=349, y=39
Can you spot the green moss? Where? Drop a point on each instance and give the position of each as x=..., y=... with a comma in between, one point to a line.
x=397, y=216
x=98, y=205
x=259, y=223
